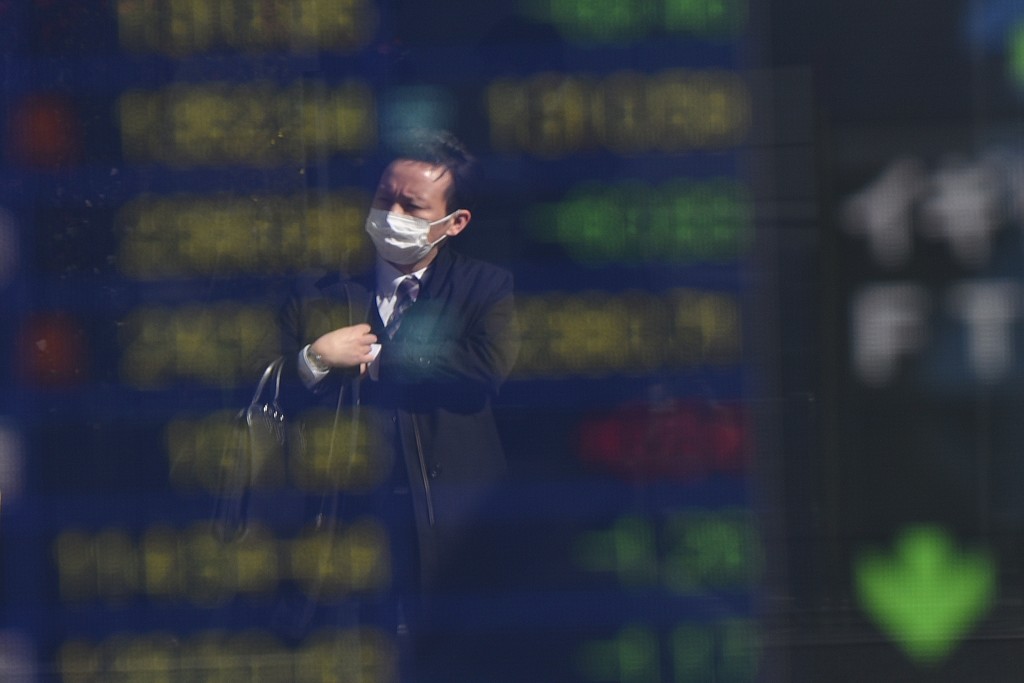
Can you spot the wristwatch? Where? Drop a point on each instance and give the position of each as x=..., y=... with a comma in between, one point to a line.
x=316, y=361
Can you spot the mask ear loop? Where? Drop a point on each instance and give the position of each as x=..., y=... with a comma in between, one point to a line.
x=442, y=220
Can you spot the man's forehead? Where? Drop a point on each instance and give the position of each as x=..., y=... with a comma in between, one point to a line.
x=419, y=172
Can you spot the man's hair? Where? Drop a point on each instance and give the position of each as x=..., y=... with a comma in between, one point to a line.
x=441, y=148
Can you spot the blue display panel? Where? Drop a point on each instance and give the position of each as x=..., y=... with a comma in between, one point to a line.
x=169, y=166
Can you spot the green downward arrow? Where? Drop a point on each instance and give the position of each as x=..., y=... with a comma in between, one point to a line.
x=926, y=595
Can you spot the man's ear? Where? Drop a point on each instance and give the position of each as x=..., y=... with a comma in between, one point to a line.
x=460, y=219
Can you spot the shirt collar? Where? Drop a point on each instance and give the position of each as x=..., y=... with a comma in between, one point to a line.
x=388, y=277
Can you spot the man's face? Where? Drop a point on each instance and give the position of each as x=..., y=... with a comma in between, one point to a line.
x=416, y=188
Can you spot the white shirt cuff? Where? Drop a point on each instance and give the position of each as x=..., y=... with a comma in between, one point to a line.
x=309, y=375
x=373, y=368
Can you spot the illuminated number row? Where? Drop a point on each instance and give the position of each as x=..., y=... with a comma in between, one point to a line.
x=686, y=552
x=214, y=343
x=680, y=221
x=597, y=334
x=201, y=235
x=366, y=655
x=680, y=441
x=257, y=124
x=181, y=27
x=614, y=21
x=190, y=235
x=555, y=114
x=193, y=565
x=324, y=455
x=724, y=650
x=591, y=334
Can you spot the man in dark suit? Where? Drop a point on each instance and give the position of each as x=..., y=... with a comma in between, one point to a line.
x=431, y=335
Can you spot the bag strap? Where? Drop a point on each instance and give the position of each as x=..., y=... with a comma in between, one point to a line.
x=273, y=370
x=231, y=507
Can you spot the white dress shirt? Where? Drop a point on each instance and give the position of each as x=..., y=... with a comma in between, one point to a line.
x=388, y=279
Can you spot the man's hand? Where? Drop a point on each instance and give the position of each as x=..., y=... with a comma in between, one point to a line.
x=346, y=347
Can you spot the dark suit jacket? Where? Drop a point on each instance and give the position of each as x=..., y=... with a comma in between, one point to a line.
x=437, y=380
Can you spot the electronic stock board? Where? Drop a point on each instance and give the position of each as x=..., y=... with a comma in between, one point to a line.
x=168, y=164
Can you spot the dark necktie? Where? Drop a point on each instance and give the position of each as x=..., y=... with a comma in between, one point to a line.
x=408, y=290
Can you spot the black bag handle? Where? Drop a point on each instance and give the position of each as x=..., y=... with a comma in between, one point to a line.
x=232, y=502
x=273, y=407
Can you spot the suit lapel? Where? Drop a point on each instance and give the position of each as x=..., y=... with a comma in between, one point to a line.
x=438, y=274
x=377, y=325
x=423, y=316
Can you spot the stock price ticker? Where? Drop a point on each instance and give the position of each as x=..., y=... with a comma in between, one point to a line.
x=171, y=161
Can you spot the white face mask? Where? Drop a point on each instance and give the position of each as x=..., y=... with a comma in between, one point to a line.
x=400, y=238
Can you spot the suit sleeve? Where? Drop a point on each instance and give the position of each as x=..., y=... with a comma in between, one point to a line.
x=306, y=315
